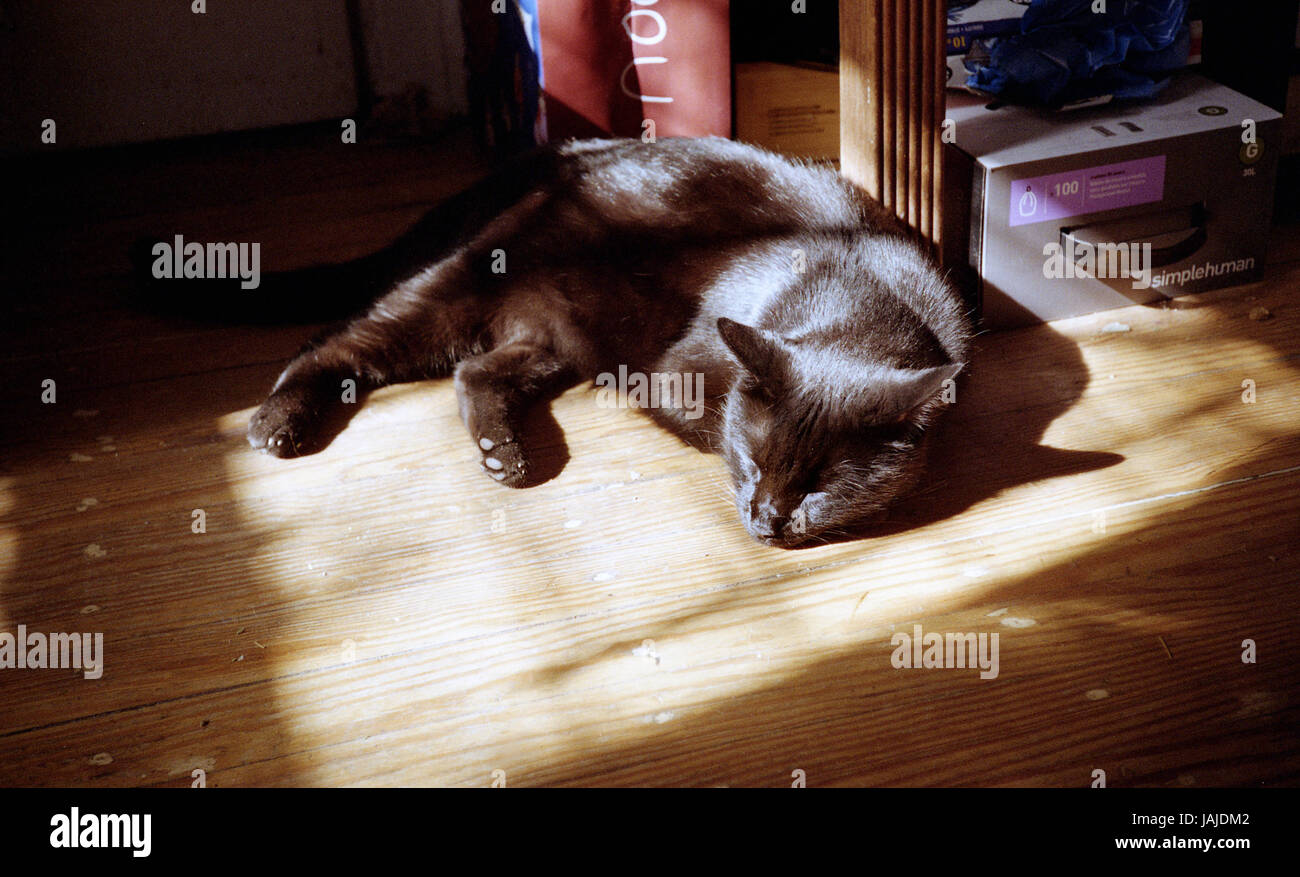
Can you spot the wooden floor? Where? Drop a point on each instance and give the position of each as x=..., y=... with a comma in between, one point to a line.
x=383, y=614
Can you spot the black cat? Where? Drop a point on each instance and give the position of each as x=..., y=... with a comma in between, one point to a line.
x=823, y=332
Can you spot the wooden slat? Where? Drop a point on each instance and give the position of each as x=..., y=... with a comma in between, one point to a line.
x=915, y=93
x=883, y=44
x=891, y=105
x=924, y=147
x=861, y=119
x=937, y=68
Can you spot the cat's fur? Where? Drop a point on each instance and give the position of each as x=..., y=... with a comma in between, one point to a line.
x=824, y=333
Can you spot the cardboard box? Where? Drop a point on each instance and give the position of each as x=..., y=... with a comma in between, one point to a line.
x=791, y=109
x=1071, y=213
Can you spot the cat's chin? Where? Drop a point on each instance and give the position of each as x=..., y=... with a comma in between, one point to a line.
x=788, y=542
x=860, y=527
x=786, y=538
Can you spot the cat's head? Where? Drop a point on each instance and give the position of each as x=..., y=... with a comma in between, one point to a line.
x=817, y=439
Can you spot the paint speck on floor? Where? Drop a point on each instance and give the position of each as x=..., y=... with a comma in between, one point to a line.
x=661, y=717
x=93, y=550
x=975, y=571
x=89, y=610
x=187, y=765
x=647, y=650
x=79, y=458
x=998, y=612
x=603, y=577
x=1013, y=621
x=101, y=758
x=87, y=503
x=572, y=524
x=1096, y=694
x=1257, y=703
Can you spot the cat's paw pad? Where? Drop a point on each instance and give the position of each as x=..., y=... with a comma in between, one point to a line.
x=281, y=427
x=504, y=461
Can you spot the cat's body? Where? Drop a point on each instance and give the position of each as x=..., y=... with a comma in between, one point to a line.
x=823, y=333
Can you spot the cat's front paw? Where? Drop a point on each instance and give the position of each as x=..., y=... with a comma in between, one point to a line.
x=504, y=461
x=282, y=426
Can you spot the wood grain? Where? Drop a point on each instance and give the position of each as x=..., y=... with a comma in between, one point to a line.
x=381, y=613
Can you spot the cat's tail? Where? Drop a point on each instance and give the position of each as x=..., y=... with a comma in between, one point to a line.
x=228, y=286
x=324, y=293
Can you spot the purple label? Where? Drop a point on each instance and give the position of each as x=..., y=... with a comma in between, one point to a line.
x=1087, y=190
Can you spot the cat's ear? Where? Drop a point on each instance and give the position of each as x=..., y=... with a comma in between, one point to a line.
x=911, y=388
x=758, y=351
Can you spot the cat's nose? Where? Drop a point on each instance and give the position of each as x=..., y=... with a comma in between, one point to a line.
x=766, y=521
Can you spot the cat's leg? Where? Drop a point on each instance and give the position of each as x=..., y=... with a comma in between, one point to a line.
x=412, y=333
x=426, y=323
x=313, y=390
x=495, y=391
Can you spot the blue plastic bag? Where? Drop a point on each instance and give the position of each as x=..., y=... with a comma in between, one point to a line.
x=1066, y=52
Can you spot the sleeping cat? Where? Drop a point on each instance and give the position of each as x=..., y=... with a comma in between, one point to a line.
x=824, y=333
